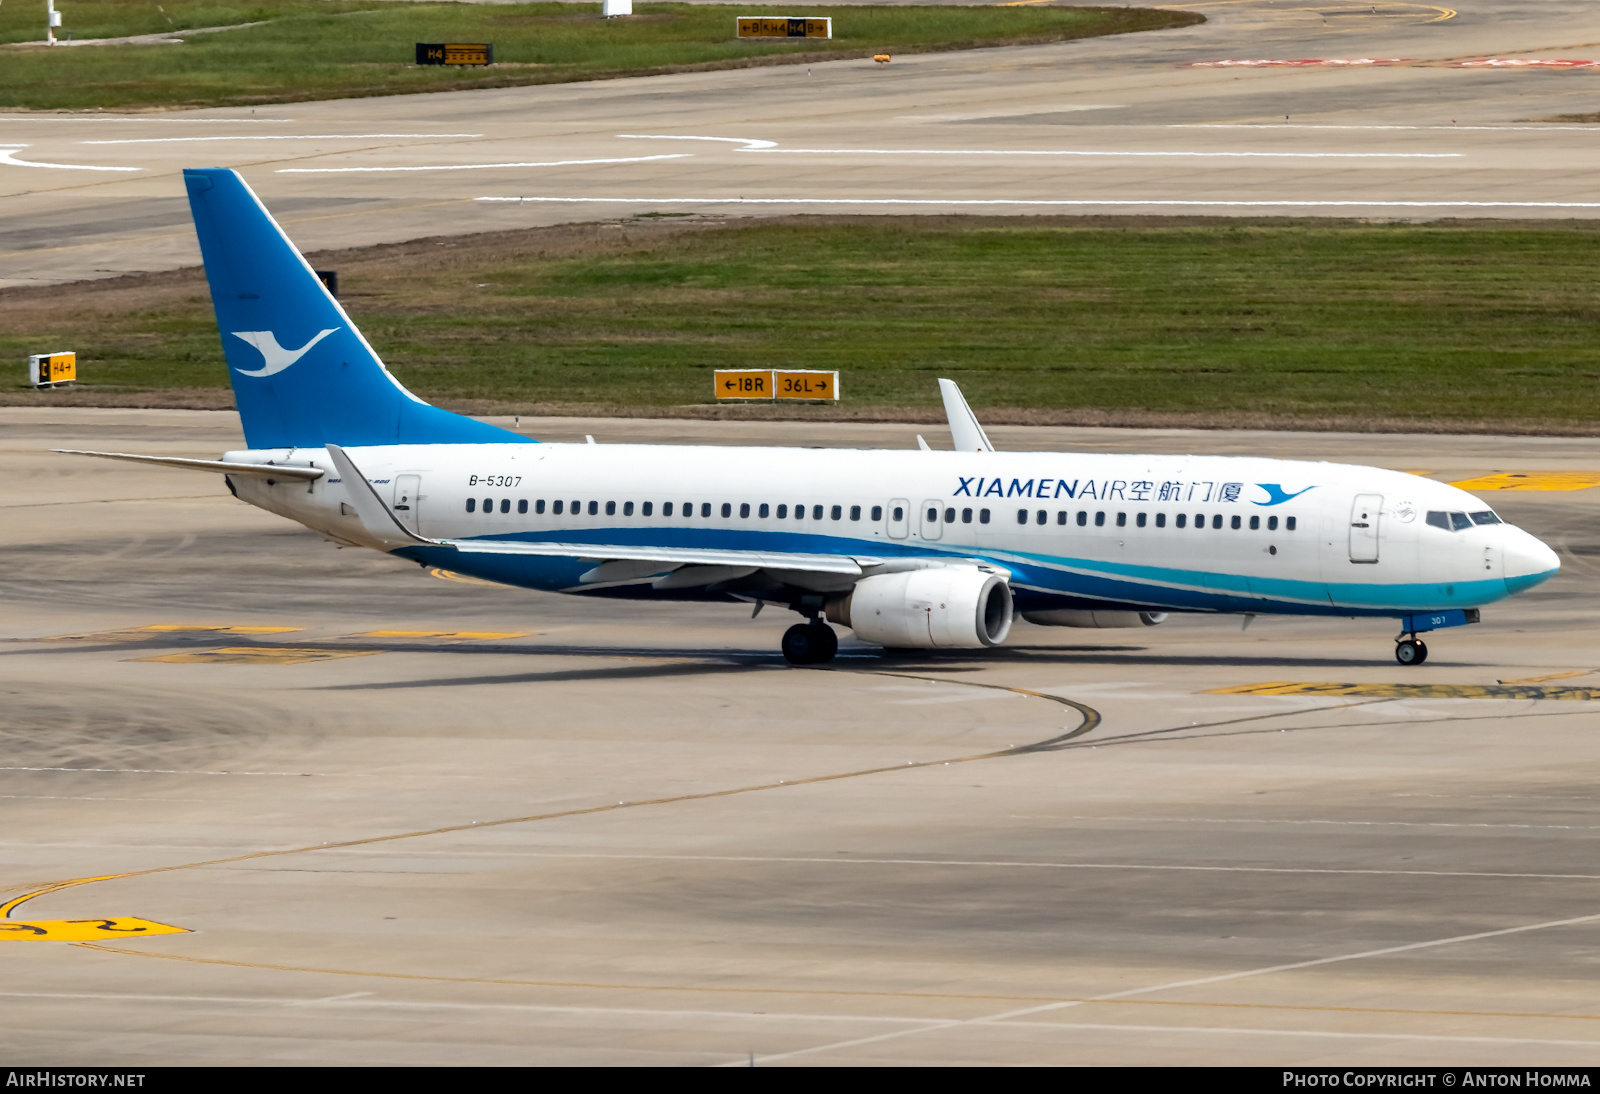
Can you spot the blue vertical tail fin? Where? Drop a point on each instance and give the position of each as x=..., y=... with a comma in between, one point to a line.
x=303, y=376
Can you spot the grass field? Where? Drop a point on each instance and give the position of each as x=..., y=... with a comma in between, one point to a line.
x=321, y=49
x=1269, y=322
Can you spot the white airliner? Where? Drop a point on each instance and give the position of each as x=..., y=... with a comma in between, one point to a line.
x=916, y=549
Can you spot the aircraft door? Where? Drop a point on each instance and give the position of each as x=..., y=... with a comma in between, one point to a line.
x=899, y=518
x=929, y=516
x=1364, y=516
x=407, y=495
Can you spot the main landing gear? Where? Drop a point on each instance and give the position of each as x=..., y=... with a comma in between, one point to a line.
x=810, y=643
x=1411, y=651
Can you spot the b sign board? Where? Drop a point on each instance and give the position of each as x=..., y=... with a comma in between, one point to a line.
x=808, y=384
x=50, y=369
x=455, y=53
x=767, y=26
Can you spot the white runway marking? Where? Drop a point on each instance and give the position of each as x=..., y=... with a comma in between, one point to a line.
x=1289, y=203
x=472, y=166
x=1008, y=1017
x=1491, y=128
x=748, y=142
x=1006, y=864
x=1133, y=155
x=364, y=1000
x=287, y=137
x=8, y=155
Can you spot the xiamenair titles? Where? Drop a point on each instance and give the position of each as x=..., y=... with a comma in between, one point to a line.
x=1136, y=491
x=907, y=549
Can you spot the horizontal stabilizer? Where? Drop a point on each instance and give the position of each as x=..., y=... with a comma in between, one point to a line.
x=255, y=470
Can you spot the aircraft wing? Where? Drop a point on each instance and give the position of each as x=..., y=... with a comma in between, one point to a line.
x=691, y=556
x=256, y=470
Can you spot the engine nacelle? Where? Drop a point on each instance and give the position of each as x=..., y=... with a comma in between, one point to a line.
x=1101, y=620
x=948, y=607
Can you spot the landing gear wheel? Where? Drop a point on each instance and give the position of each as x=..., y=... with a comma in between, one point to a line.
x=809, y=644
x=1411, y=652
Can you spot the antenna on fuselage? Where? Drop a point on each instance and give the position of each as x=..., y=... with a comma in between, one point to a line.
x=964, y=428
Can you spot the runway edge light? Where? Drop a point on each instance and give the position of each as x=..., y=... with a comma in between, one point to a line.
x=47, y=370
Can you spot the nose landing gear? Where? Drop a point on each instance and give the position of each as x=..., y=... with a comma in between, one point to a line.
x=809, y=643
x=1411, y=651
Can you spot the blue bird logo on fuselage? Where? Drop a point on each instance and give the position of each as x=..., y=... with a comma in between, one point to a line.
x=1277, y=495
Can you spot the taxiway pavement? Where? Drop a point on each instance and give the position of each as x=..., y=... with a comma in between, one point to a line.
x=438, y=822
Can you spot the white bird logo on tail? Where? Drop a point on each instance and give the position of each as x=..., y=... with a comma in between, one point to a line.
x=276, y=357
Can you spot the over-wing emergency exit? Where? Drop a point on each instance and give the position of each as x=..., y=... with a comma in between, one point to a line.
x=917, y=549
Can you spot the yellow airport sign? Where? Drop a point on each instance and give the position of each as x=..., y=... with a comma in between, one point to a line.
x=455, y=53
x=805, y=384
x=765, y=26
x=50, y=369
x=743, y=383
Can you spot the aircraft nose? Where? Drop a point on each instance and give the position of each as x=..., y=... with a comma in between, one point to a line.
x=1528, y=561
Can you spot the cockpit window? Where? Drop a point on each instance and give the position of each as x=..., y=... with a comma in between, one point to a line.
x=1485, y=517
x=1439, y=520
x=1458, y=521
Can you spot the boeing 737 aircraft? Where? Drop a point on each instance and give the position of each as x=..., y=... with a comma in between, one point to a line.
x=907, y=548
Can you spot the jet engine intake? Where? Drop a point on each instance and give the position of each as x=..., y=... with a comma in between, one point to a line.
x=949, y=607
x=1094, y=619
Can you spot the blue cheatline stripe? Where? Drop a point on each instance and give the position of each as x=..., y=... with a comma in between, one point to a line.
x=1156, y=586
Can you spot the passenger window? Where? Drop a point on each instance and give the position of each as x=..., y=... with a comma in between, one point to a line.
x=577, y=507
x=522, y=505
x=538, y=506
x=966, y=516
x=1272, y=524
x=800, y=512
x=1182, y=520
x=1061, y=517
x=744, y=510
x=1022, y=516
x=949, y=516
x=855, y=512
x=1100, y=520
x=666, y=508
x=611, y=509
x=877, y=512
x=705, y=509
x=1288, y=524
x=505, y=505
x=488, y=505
x=1199, y=520
x=1083, y=517
x=898, y=514
x=1255, y=523
x=838, y=511
x=1041, y=517
x=627, y=508
x=1235, y=524
x=1161, y=520
x=556, y=509
x=783, y=512
x=649, y=507
x=816, y=512
x=1139, y=520
x=1216, y=521
x=688, y=510
x=727, y=509
x=983, y=516
x=472, y=504
x=594, y=508
x=1122, y=520
x=1485, y=517
x=1460, y=521
x=763, y=511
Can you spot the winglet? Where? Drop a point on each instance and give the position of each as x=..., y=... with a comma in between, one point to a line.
x=376, y=517
x=964, y=427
